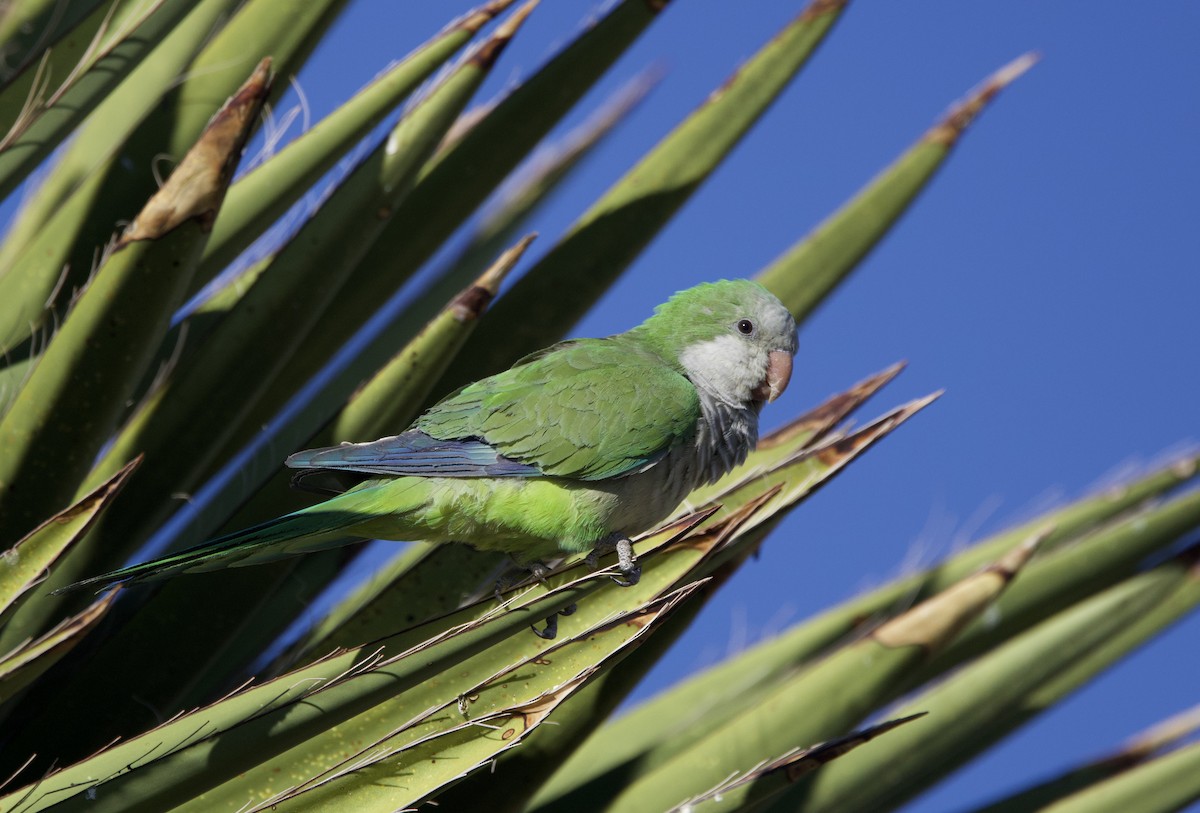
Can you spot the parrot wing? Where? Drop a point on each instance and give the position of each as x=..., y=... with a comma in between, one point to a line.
x=587, y=409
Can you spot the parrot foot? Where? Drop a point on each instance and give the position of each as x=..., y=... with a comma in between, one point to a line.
x=631, y=571
x=627, y=563
x=550, y=631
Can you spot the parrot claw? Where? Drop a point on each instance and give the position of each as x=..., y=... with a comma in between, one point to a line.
x=551, y=630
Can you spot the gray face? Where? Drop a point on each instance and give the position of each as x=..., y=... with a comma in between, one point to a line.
x=750, y=361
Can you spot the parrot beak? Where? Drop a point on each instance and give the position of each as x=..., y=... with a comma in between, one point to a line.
x=779, y=372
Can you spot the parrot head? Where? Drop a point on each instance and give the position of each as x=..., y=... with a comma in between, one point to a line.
x=733, y=339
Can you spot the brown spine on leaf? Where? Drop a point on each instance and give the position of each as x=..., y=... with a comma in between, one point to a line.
x=947, y=131
x=195, y=189
x=490, y=51
x=473, y=301
x=810, y=759
x=934, y=623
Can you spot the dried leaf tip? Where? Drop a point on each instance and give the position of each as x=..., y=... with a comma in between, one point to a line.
x=472, y=302
x=488, y=52
x=477, y=18
x=1163, y=735
x=1012, y=562
x=953, y=124
x=195, y=189
x=1185, y=468
x=843, y=447
x=936, y=621
x=819, y=7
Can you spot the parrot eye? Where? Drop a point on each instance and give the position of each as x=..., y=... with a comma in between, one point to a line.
x=745, y=327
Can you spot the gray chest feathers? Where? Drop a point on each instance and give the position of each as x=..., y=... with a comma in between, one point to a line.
x=724, y=436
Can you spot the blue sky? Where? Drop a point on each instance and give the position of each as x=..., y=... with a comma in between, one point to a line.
x=1047, y=281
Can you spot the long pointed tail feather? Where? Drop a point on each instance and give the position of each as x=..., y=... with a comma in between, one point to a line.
x=300, y=532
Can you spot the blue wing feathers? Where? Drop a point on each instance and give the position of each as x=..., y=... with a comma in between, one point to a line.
x=415, y=453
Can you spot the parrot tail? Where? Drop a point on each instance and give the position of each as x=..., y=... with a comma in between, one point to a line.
x=300, y=532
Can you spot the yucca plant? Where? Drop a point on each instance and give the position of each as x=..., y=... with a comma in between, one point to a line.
x=122, y=390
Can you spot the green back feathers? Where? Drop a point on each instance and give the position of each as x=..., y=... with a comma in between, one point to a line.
x=590, y=409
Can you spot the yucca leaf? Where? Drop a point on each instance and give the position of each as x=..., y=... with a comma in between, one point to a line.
x=264, y=194
x=23, y=665
x=568, y=280
x=1166, y=735
x=12, y=377
x=667, y=715
x=496, y=233
x=1164, y=785
x=27, y=27
x=196, y=751
x=152, y=115
x=673, y=558
x=809, y=639
x=829, y=455
x=22, y=565
x=984, y=701
x=59, y=227
x=67, y=408
x=257, y=28
x=818, y=703
x=808, y=272
x=50, y=97
x=1064, y=577
x=764, y=781
x=447, y=745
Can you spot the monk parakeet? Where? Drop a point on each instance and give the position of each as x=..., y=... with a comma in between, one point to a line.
x=574, y=448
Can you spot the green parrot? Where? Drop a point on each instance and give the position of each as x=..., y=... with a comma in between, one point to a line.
x=574, y=448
